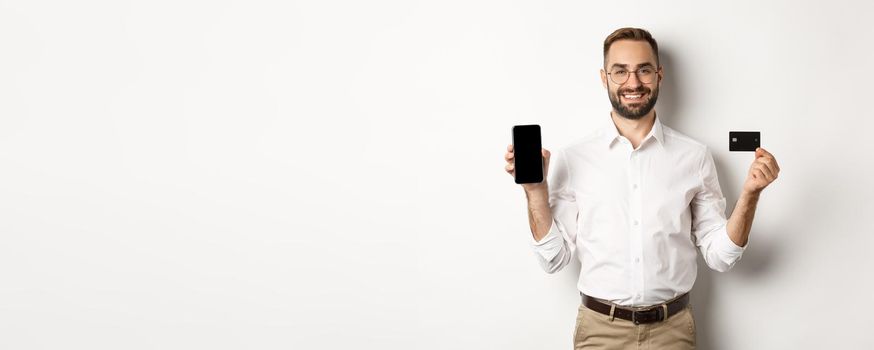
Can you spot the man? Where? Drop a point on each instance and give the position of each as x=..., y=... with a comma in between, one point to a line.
x=634, y=202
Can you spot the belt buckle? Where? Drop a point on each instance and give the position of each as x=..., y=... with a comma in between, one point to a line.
x=658, y=312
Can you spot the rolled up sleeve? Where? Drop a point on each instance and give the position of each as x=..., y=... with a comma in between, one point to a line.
x=709, y=225
x=555, y=250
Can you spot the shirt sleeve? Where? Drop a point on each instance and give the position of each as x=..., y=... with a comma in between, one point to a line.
x=709, y=225
x=555, y=250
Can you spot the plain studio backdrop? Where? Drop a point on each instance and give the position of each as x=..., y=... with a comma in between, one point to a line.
x=329, y=174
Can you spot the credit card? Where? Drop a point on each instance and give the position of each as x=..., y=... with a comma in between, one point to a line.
x=744, y=141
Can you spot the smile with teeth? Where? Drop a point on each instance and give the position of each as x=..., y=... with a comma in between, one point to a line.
x=633, y=97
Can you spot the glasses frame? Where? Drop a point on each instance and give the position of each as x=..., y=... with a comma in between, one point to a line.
x=655, y=70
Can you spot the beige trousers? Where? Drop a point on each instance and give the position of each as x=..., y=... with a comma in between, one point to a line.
x=595, y=330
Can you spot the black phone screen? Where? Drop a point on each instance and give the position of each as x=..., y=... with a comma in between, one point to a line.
x=527, y=154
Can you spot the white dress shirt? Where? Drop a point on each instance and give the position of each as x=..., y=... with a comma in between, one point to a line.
x=633, y=217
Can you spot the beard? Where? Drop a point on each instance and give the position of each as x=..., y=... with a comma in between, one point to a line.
x=638, y=109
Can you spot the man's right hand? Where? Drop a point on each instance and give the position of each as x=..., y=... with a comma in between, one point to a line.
x=511, y=169
x=539, y=212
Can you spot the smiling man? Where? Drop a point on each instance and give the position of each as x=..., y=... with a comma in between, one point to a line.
x=635, y=202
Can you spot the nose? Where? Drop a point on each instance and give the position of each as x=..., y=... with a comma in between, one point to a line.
x=633, y=81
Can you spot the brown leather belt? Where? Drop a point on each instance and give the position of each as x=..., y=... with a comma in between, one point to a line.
x=652, y=314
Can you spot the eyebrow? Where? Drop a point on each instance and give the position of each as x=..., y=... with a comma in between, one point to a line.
x=626, y=66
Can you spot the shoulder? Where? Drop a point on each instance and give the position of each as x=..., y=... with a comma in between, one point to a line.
x=686, y=149
x=682, y=140
x=684, y=143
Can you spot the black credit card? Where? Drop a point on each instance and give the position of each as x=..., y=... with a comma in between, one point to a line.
x=527, y=154
x=744, y=141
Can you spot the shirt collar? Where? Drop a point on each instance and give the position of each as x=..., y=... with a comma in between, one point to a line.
x=611, y=133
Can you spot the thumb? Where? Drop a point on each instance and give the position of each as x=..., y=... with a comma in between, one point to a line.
x=759, y=152
x=546, y=154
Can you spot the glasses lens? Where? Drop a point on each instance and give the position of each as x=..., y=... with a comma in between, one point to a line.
x=646, y=75
x=619, y=76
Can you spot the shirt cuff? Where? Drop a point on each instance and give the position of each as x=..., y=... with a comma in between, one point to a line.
x=726, y=246
x=550, y=245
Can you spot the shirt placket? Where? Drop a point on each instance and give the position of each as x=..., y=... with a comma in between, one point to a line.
x=636, y=224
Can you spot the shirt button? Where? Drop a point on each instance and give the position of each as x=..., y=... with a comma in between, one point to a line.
x=637, y=260
x=635, y=222
x=634, y=186
x=640, y=296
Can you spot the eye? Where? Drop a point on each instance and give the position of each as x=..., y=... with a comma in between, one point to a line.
x=646, y=71
x=620, y=72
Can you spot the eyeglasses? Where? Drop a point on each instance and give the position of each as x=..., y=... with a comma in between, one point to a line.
x=619, y=75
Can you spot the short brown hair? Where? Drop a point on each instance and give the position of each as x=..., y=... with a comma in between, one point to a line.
x=628, y=33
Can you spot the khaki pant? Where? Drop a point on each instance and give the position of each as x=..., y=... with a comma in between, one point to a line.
x=595, y=330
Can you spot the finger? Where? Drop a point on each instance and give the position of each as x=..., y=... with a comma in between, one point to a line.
x=510, y=148
x=758, y=174
x=761, y=152
x=769, y=163
x=509, y=167
x=765, y=171
x=768, y=156
x=509, y=156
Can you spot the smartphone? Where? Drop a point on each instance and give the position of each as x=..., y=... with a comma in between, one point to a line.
x=527, y=154
x=744, y=141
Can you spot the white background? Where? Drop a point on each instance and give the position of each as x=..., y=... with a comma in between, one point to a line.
x=329, y=174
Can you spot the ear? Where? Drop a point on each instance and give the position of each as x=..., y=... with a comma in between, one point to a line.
x=661, y=74
x=604, y=78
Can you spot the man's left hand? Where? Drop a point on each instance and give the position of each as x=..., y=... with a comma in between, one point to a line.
x=762, y=173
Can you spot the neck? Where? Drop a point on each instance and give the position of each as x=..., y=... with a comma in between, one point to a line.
x=634, y=129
